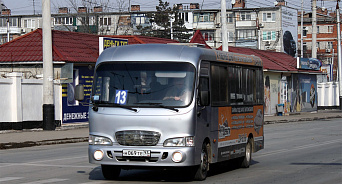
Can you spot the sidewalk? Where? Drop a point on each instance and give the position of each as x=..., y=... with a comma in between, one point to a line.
x=78, y=132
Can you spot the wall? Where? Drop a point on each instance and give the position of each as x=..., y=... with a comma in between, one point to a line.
x=22, y=102
x=271, y=87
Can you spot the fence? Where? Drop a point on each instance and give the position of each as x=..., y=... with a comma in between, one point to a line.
x=22, y=102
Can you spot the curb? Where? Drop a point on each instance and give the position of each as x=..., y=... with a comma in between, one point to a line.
x=301, y=119
x=12, y=145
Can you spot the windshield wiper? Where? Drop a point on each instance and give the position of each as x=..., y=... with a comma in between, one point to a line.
x=103, y=104
x=159, y=105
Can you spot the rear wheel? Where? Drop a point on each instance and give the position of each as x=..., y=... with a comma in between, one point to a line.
x=110, y=172
x=202, y=169
x=246, y=160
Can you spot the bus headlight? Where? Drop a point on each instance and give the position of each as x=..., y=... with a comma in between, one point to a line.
x=177, y=156
x=98, y=155
x=97, y=140
x=180, y=142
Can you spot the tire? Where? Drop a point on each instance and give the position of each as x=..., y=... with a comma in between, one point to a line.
x=246, y=160
x=202, y=169
x=110, y=172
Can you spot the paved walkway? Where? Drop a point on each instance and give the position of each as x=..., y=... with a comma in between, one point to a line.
x=78, y=132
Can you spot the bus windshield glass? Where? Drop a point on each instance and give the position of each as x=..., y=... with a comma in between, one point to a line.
x=143, y=84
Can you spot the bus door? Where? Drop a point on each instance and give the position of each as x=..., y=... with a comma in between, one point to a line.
x=204, y=110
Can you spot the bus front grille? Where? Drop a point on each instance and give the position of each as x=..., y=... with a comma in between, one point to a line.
x=137, y=138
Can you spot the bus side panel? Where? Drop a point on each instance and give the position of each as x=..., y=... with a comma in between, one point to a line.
x=236, y=123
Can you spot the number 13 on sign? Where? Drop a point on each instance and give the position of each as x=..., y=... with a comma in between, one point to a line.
x=121, y=97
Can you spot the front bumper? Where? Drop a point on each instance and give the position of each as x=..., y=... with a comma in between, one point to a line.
x=160, y=156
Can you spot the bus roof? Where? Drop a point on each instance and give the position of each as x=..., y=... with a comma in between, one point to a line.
x=173, y=53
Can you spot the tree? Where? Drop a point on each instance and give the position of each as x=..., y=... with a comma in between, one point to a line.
x=161, y=24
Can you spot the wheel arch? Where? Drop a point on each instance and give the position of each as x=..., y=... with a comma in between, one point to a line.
x=207, y=141
x=251, y=138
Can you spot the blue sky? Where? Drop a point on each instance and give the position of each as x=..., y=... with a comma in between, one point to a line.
x=29, y=7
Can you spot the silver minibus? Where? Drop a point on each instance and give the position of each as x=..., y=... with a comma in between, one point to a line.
x=174, y=106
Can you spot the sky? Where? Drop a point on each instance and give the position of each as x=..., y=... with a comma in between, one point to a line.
x=30, y=7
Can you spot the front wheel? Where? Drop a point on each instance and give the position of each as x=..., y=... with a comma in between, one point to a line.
x=110, y=172
x=202, y=169
x=246, y=160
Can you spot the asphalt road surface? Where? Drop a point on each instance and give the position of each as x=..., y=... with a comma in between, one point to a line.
x=303, y=152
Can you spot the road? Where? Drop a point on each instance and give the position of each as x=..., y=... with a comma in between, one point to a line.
x=303, y=152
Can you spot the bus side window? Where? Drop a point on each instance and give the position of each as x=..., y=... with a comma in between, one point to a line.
x=204, y=91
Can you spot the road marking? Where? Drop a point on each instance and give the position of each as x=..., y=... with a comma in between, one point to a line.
x=46, y=181
x=9, y=178
x=298, y=148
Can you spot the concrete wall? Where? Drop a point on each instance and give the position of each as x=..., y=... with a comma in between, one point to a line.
x=328, y=95
x=22, y=99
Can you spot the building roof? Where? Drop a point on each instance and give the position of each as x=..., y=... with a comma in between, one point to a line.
x=198, y=38
x=272, y=61
x=70, y=47
x=277, y=61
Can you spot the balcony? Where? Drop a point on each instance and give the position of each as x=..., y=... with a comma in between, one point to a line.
x=12, y=30
x=246, y=23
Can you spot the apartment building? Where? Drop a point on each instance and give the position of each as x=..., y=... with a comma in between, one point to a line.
x=326, y=38
x=258, y=28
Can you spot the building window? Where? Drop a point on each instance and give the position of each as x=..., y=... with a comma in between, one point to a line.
x=139, y=20
x=330, y=45
x=63, y=21
x=230, y=18
x=105, y=21
x=208, y=35
x=245, y=16
x=305, y=46
x=29, y=23
x=204, y=17
x=230, y=36
x=13, y=22
x=330, y=29
x=268, y=17
x=269, y=35
x=305, y=31
x=317, y=29
x=3, y=22
x=246, y=34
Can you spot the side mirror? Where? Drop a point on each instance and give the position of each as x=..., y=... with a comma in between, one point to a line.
x=204, y=91
x=79, y=92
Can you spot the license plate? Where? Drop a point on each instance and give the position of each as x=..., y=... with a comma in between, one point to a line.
x=136, y=153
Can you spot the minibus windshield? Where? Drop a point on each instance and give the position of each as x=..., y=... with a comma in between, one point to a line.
x=144, y=84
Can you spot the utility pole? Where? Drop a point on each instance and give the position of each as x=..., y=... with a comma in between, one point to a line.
x=48, y=93
x=339, y=52
x=314, y=29
x=224, y=26
x=301, y=33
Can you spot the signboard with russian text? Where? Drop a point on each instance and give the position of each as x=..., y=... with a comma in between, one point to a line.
x=72, y=110
x=105, y=42
x=309, y=63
